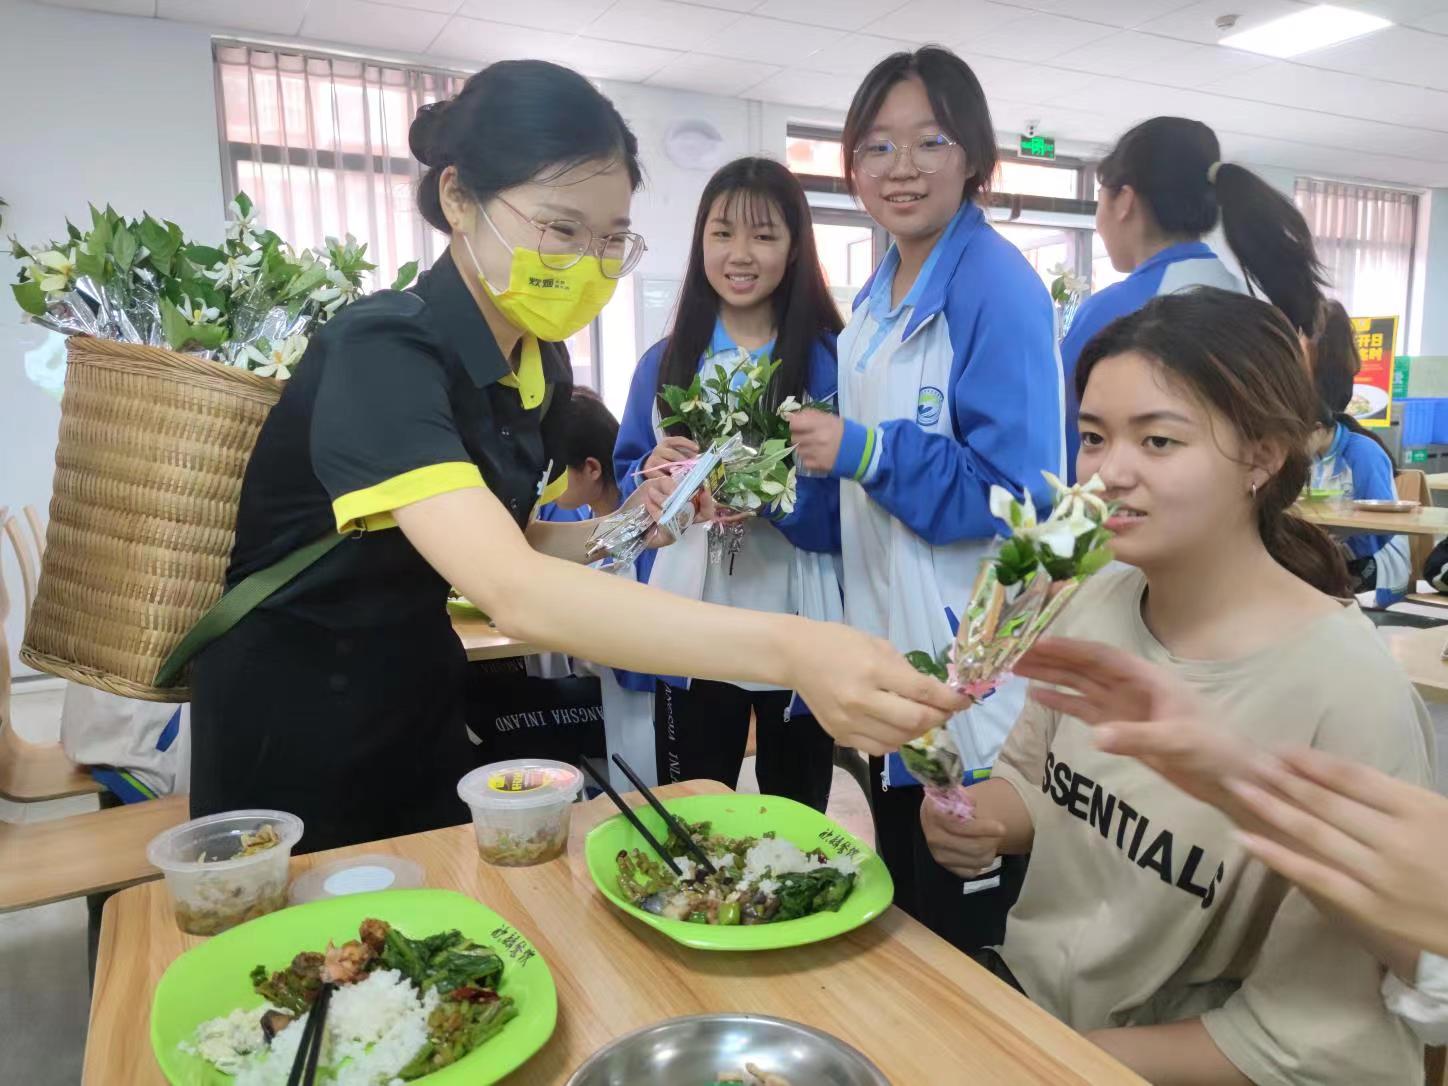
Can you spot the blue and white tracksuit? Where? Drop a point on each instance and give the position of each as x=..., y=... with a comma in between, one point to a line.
x=1372, y=480
x=1177, y=267
x=955, y=389
x=788, y=563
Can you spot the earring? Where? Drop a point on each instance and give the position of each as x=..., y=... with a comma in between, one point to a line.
x=1254, y=490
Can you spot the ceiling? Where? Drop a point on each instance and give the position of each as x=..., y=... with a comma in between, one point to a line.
x=1374, y=108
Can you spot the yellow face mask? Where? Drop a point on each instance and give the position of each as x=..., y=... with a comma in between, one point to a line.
x=546, y=302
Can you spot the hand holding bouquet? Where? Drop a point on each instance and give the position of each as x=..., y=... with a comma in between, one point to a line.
x=1017, y=595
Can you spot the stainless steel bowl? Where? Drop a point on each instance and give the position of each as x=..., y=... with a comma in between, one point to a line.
x=693, y=1051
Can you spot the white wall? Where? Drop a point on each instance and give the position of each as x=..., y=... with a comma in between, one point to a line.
x=96, y=108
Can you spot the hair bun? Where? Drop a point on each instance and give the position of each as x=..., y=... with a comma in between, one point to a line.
x=424, y=137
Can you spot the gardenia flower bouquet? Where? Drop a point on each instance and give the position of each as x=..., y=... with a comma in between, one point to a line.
x=1017, y=594
x=250, y=302
x=729, y=398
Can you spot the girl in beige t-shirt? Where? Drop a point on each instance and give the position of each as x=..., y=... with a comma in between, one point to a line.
x=1142, y=920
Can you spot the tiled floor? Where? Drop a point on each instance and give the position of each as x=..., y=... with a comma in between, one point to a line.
x=44, y=997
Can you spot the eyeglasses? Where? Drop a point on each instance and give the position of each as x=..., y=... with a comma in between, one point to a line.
x=926, y=153
x=562, y=243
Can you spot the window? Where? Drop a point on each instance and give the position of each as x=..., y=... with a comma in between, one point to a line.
x=1364, y=236
x=319, y=143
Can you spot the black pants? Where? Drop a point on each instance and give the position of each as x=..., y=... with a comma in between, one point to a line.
x=924, y=889
x=360, y=733
x=702, y=732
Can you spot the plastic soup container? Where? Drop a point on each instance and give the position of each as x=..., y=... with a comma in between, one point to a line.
x=521, y=809
x=226, y=869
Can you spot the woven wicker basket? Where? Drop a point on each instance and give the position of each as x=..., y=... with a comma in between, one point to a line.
x=148, y=471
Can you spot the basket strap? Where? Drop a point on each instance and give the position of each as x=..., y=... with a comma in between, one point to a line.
x=241, y=601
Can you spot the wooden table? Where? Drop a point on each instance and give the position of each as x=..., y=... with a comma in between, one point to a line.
x=1426, y=520
x=1420, y=654
x=1438, y=481
x=482, y=640
x=920, y=1009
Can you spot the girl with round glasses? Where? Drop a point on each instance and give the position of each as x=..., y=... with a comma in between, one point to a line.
x=949, y=383
x=426, y=426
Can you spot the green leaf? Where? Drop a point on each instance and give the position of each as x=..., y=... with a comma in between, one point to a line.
x=124, y=248
x=1094, y=561
x=30, y=298
x=72, y=231
x=308, y=281
x=243, y=201
x=100, y=227
x=204, y=256
x=405, y=275
x=18, y=251
x=181, y=334
x=926, y=664
x=91, y=262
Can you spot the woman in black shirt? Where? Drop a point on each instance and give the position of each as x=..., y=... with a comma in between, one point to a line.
x=425, y=424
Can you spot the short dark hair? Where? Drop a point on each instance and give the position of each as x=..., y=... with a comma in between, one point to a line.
x=589, y=430
x=956, y=98
x=1174, y=165
x=512, y=121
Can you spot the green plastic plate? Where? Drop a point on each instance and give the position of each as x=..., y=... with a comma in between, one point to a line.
x=464, y=609
x=742, y=815
x=213, y=979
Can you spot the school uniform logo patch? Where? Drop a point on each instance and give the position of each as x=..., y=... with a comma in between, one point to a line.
x=929, y=405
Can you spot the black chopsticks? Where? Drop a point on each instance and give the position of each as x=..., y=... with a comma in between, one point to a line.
x=680, y=830
x=309, y=1051
x=627, y=812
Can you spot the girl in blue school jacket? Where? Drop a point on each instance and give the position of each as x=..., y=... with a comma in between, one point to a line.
x=753, y=283
x=1163, y=189
x=949, y=383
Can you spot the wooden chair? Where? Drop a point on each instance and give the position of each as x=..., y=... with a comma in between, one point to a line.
x=30, y=772
x=1413, y=486
x=83, y=854
x=28, y=572
x=37, y=530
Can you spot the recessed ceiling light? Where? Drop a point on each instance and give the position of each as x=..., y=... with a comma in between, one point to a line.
x=1313, y=28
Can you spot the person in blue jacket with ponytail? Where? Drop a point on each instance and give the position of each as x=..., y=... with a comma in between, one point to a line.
x=1163, y=189
x=753, y=284
x=950, y=383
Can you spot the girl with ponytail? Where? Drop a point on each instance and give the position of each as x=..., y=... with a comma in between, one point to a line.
x=1163, y=189
x=1341, y=444
x=1143, y=919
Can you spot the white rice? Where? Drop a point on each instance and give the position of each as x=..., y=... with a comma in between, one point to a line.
x=373, y=1030
x=774, y=856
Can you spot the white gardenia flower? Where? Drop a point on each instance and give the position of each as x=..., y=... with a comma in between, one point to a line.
x=280, y=360
x=789, y=407
x=54, y=269
x=235, y=271
x=788, y=498
x=198, y=312
x=241, y=227
x=1002, y=502
x=693, y=405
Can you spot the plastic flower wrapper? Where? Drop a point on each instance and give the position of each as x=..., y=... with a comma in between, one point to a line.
x=729, y=397
x=1016, y=596
x=621, y=537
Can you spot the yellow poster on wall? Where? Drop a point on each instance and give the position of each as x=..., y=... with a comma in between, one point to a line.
x=1372, y=390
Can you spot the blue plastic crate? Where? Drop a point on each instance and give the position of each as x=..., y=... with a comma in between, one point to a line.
x=1420, y=421
x=1440, y=422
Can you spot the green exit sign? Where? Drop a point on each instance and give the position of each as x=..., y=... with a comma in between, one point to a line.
x=1038, y=147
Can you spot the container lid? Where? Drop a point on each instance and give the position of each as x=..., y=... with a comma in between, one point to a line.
x=179, y=848
x=355, y=875
x=521, y=783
